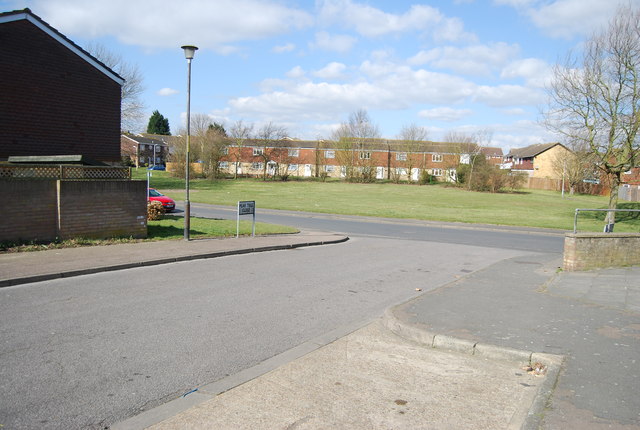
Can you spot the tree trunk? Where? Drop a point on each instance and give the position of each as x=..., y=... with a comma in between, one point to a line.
x=613, y=198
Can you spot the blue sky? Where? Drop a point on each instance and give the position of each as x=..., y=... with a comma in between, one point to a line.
x=459, y=65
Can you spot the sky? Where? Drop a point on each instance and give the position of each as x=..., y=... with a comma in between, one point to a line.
x=459, y=66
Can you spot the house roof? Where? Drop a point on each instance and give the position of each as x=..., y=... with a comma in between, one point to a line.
x=26, y=14
x=55, y=159
x=367, y=145
x=531, y=150
x=489, y=151
x=161, y=137
x=144, y=140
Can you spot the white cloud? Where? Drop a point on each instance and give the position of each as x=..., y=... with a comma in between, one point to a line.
x=296, y=73
x=379, y=86
x=564, y=18
x=445, y=114
x=167, y=92
x=284, y=48
x=514, y=112
x=508, y=95
x=371, y=22
x=537, y=73
x=338, y=43
x=514, y=3
x=167, y=23
x=567, y=18
x=470, y=60
x=452, y=30
x=332, y=70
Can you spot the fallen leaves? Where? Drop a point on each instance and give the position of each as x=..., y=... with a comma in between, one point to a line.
x=536, y=369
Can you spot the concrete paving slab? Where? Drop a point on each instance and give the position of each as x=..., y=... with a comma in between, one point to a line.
x=525, y=307
x=373, y=379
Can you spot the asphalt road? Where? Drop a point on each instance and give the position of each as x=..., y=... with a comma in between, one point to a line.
x=503, y=237
x=90, y=351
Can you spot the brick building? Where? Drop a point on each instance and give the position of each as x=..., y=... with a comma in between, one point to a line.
x=379, y=158
x=57, y=99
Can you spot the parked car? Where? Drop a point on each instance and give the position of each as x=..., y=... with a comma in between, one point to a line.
x=167, y=203
x=157, y=167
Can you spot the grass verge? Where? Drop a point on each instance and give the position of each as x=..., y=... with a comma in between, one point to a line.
x=168, y=228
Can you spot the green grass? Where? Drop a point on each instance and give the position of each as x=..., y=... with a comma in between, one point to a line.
x=168, y=228
x=532, y=208
x=172, y=227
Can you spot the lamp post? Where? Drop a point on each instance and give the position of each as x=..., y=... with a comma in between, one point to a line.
x=189, y=52
x=155, y=145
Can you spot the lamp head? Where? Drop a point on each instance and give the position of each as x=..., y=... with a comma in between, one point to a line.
x=189, y=51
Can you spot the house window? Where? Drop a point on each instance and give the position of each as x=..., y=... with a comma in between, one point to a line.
x=365, y=155
x=328, y=169
x=256, y=166
x=294, y=153
x=329, y=154
x=401, y=156
x=436, y=158
x=223, y=164
x=225, y=151
x=401, y=171
x=436, y=172
x=257, y=151
x=293, y=167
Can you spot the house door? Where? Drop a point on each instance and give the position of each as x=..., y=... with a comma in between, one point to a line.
x=415, y=174
x=379, y=172
x=307, y=170
x=271, y=168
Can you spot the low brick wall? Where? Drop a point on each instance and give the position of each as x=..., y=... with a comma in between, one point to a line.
x=43, y=210
x=29, y=210
x=103, y=209
x=586, y=251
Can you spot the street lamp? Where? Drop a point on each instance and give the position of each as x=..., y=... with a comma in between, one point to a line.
x=189, y=52
x=154, y=153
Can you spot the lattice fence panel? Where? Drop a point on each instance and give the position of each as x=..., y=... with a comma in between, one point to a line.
x=90, y=173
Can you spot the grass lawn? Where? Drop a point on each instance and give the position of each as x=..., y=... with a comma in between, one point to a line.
x=172, y=227
x=531, y=208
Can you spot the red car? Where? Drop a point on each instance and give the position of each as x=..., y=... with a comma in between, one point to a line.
x=167, y=203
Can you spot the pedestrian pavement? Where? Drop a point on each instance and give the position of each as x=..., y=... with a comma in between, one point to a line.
x=461, y=356
x=23, y=267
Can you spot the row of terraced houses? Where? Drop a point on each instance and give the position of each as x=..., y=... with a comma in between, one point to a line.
x=382, y=159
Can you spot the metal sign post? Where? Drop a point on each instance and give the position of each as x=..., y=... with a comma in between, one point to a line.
x=246, y=208
x=148, y=184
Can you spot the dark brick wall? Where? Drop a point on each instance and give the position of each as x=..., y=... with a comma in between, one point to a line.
x=30, y=210
x=90, y=209
x=102, y=209
x=52, y=101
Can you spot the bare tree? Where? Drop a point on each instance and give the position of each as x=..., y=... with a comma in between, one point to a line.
x=268, y=137
x=351, y=139
x=200, y=123
x=574, y=166
x=465, y=147
x=595, y=98
x=412, y=137
x=132, y=108
x=239, y=132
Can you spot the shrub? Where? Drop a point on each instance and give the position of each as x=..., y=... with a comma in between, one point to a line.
x=426, y=178
x=155, y=210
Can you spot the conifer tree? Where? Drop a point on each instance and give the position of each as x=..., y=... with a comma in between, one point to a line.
x=158, y=124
